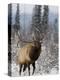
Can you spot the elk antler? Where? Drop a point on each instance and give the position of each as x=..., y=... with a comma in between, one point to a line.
x=42, y=35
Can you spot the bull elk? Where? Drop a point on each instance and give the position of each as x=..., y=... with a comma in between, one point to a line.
x=28, y=54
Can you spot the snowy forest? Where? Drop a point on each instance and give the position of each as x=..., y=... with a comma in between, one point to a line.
x=33, y=22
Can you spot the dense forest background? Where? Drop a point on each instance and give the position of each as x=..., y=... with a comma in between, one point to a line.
x=40, y=22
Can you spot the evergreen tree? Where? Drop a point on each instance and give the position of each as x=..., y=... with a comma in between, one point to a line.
x=39, y=22
x=55, y=25
x=36, y=19
x=45, y=18
x=17, y=20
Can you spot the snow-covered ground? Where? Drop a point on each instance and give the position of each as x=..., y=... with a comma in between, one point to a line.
x=47, y=62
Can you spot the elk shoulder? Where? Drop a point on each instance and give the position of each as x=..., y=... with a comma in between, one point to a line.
x=23, y=54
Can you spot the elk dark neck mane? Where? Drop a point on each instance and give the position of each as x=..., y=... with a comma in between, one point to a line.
x=35, y=51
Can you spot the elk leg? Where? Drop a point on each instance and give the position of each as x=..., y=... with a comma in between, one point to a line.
x=20, y=69
x=24, y=67
x=33, y=67
x=29, y=69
